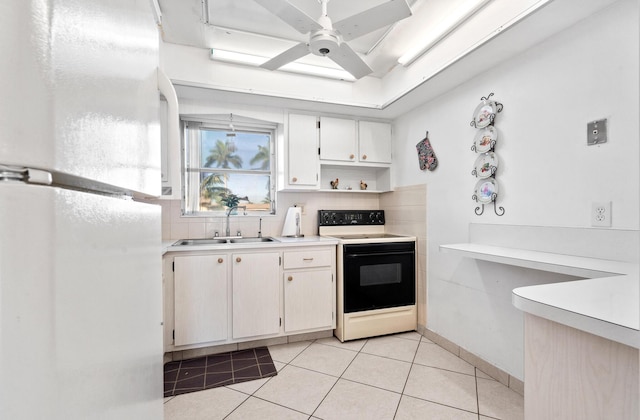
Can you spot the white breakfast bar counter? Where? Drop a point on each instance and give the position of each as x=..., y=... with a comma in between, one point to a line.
x=605, y=303
x=581, y=337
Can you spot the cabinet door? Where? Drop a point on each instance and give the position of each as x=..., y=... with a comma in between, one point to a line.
x=375, y=142
x=256, y=295
x=338, y=139
x=200, y=299
x=303, y=151
x=308, y=300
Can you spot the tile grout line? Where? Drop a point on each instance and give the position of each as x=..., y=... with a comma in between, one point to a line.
x=407, y=380
x=475, y=371
x=339, y=377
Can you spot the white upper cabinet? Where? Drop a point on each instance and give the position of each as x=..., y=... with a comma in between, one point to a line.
x=338, y=139
x=374, y=142
x=351, y=141
x=302, y=159
x=355, y=155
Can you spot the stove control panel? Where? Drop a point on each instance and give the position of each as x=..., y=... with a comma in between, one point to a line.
x=350, y=217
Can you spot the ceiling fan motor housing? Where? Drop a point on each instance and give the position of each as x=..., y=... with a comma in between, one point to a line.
x=323, y=42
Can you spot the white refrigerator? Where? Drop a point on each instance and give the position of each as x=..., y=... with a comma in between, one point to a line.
x=80, y=259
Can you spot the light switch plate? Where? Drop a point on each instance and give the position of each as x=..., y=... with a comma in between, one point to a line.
x=597, y=132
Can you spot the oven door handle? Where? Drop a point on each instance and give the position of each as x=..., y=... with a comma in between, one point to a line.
x=374, y=254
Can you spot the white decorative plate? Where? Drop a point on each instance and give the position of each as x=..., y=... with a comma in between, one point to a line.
x=485, y=190
x=484, y=114
x=486, y=165
x=486, y=139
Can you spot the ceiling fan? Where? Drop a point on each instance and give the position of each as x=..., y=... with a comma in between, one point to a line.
x=327, y=39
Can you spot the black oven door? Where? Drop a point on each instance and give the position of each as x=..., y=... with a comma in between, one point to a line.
x=378, y=275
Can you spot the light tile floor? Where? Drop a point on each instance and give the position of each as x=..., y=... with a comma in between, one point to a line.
x=402, y=376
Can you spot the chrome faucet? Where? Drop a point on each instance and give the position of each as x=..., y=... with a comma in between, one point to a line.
x=227, y=231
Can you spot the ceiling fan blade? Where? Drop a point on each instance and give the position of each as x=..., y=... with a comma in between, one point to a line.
x=372, y=19
x=349, y=60
x=291, y=15
x=288, y=56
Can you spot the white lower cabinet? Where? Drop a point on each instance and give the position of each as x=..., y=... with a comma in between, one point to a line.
x=256, y=294
x=309, y=290
x=225, y=296
x=200, y=301
x=308, y=302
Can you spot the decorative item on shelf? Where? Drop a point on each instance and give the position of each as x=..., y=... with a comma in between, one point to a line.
x=486, y=165
x=363, y=185
x=426, y=156
x=334, y=184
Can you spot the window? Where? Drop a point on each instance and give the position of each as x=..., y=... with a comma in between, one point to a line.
x=226, y=165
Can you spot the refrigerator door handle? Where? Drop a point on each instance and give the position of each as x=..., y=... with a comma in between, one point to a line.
x=27, y=175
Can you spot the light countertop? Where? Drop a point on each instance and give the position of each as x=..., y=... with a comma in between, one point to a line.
x=606, y=303
x=279, y=242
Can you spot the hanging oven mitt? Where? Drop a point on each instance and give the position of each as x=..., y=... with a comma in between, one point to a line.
x=426, y=156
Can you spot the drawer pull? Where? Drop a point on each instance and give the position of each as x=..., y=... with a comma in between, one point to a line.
x=294, y=179
x=307, y=259
x=220, y=260
x=351, y=156
x=364, y=157
x=290, y=278
x=238, y=259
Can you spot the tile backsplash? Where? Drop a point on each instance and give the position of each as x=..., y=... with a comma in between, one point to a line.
x=175, y=226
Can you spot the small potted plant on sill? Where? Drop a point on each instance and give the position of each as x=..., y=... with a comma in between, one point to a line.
x=230, y=200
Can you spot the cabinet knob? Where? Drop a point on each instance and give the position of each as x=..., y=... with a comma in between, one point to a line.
x=364, y=157
x=294, y=179
x=290, y=278
x=220, y=260
x=238, y=259
x=351, y=156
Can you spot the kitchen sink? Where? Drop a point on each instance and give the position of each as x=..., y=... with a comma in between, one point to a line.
x=188, y=242
x=250, y=240
x=215, y=241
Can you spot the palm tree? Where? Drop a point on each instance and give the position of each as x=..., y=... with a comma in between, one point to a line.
x=222, y=155
x=261, y=157
x=210, y=185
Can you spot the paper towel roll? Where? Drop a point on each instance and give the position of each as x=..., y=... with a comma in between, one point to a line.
x=293, y=222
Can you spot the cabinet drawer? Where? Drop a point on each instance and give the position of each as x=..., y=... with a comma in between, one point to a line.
x=312, y=258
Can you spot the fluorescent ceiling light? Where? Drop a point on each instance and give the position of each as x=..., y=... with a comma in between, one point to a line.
x=441, y=30
x=293, y=67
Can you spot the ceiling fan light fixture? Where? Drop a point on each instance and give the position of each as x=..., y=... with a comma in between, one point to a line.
x=323, y=42
x=441, y=30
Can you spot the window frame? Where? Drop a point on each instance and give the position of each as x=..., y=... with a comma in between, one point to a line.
x=193, y=126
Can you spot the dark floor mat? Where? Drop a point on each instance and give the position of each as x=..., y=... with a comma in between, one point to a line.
x=217, y=370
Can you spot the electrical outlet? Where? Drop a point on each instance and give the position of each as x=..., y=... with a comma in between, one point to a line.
x=301, y=205
x=601, y=214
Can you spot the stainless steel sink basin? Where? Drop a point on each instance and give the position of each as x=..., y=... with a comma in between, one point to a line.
x=187, y=242
x=250, y=240
x=215, y=241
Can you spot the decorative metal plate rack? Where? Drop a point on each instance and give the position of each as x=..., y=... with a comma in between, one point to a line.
x=486, y=165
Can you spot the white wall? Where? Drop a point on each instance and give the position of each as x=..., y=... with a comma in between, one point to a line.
x=548, y=175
